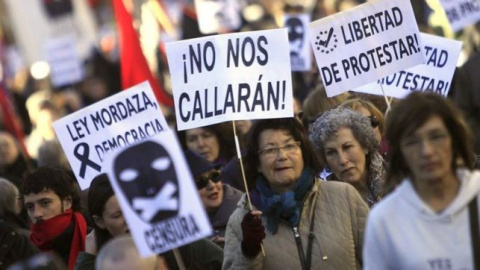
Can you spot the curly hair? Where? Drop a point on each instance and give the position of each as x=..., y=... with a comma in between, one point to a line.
x=333, y=120
x=413, y=112
x=60, y=181
x=296, y=130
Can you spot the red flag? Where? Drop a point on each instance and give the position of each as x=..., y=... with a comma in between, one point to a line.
x=133, y=64
x=9, y=121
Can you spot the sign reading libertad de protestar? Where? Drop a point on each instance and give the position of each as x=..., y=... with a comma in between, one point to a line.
x=435, y=75
x=360, y=45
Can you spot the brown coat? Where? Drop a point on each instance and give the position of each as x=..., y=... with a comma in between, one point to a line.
x=340, y=215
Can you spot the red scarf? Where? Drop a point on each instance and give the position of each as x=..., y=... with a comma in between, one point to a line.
x=44, y=232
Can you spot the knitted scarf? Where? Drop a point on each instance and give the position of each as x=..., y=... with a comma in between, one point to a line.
x=286, y=205
x=44, y=232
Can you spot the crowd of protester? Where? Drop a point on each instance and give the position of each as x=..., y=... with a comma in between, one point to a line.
x=343, y=184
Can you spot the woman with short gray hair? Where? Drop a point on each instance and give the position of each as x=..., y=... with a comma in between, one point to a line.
x=346, y=142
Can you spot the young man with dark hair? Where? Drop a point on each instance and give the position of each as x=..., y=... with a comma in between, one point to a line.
x=53, y=205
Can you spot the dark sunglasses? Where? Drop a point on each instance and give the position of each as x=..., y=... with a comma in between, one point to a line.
x=202, y=181
x=373, y=121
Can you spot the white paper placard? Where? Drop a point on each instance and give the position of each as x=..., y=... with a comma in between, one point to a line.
x=360, y=45
x=461, y=13
x=157, y=195
x=435, y=75
x=122, y=119
x=65, y=64
x=300, y=50
x=229, y=77
x=218, y=16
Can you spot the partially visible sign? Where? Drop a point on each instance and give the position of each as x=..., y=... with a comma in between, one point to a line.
x=238, y=76
x=65, y=64
x=157, y=195
x=217, y=16
x=89, y=134
x=36, y=22
x=435, y=75
x=360, y=45
x=461, y=13
x=300, y=51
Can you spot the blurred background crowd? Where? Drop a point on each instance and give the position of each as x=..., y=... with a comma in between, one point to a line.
x=32, y=99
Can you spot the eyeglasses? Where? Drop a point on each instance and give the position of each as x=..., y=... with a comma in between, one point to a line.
x=373, y=121
x=202, y=181
x=271, y=152
x=415, y=143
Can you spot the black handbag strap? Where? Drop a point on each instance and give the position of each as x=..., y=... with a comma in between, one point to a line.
x=474, y=232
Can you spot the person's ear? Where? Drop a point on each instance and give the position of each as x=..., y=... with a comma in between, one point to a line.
x=67, y=203
x=99, y=222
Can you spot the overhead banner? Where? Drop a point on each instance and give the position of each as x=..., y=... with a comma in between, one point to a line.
x=157, y=194
x=218, y=16
x=360, y=45
x=89, y=134
x=300, y=50
x=229, y=77
x=461, y=13
x=435, y=75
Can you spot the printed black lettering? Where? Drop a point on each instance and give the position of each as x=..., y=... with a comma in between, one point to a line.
x=250, y=48
x=183, y=97
x=261, y=48
x=197, y=106
x=229, y=103
x=273, y=95
x=243, y=97
x=233, y=52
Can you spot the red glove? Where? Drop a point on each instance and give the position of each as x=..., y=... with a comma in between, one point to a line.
x=253, y=234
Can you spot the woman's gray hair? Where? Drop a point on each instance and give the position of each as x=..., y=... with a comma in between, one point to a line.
x=8, y=198
x=332, y=120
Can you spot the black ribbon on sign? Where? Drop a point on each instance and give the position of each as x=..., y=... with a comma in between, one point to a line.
x=83, y=158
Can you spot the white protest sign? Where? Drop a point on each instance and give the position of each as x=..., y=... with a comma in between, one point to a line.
x=66, y=66
x=157, y=195
x=229, y=77
x=218, y=16
x=435, y=75
x=461, y=13
x=122, y=119
x=300, y=51
x=362, y=44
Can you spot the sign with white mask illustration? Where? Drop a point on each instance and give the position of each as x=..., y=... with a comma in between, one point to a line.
x=156, y=192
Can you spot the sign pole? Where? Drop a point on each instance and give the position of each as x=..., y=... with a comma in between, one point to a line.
x=239, y=155
x=386, y=100
x=179, y=259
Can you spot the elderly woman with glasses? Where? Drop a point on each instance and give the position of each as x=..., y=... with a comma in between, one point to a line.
x=430, y=220
x=219, y=199
x=346, y=142
x=309, y=223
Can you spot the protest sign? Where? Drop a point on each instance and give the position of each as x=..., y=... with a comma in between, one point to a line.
x=436, y=74
x=89, y=134
x=300, y=51
x=155, y=190
x=35, y=22
x=228, y=77
x=66, y=66
x=362, y=44
x=218, y=16
x=461, y=13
